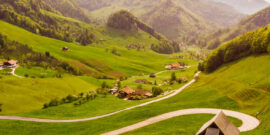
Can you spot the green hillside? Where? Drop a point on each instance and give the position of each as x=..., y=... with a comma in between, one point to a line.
x=247, y=24
x=254, y=42
x=181, y=20
x=229, y=88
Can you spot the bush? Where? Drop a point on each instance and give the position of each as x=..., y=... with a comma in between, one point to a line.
x=1, y=107
x=173, y=77
x=157, y=91
x=54, y=102
x=139, y=87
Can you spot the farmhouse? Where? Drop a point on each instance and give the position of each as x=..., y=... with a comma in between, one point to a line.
x=127, y=91
x=219, y=125
x=10, y=64
x=144, y=93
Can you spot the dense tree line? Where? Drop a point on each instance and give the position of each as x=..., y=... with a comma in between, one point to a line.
x=166, y=47
x=27, y=57
x=253, y=22
x=31, y=15
x=255, y=42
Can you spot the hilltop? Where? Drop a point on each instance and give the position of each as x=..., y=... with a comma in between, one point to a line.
x=202, y=16
x=247, y=6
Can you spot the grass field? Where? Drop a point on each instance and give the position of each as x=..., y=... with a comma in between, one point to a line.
x=20, y=95
x=97, y=59
x=100, y=106
x=35, y=72
x=230, y=87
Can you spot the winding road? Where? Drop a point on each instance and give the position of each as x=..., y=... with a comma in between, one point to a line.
x=248, y=122
x=97, y=117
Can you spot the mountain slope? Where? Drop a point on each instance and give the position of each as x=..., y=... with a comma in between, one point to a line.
x=247, y=6
x=175, y=18
x=250, y=23
x=251, y=43
x=175, y=21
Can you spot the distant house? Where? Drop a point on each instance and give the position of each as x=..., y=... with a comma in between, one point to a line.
x=10, y=64
x=144, y=93
x=219, y=125
x=142, y=81
x=175, y=66
x=65, y=48
x=152, y=75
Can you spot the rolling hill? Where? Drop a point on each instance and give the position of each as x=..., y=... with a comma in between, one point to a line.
x=229, y=87
x=202, y=16
x=247, y=24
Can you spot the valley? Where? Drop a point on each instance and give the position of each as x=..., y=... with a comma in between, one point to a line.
x=78, y=67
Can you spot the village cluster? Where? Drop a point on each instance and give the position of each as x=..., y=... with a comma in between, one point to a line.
x=129, y=94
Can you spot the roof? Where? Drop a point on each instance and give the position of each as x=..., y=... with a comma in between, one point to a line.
x=221, y=122
x=128, y=90
x=143, y=92
x=175, y=65
x=11, y=62
x=212, y=131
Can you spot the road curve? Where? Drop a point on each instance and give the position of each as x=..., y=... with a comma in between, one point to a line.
x=97, y=117
x=248, y=122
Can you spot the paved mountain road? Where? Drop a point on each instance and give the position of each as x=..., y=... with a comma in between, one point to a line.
x=248, y=122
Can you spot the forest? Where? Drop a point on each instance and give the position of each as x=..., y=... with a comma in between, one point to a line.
x=33, y=17
x=251, y=43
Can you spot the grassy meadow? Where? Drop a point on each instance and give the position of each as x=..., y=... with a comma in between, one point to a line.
x=97, y=59
x=227, y=88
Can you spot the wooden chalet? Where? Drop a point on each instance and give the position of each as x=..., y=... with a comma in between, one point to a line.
x=219, y=125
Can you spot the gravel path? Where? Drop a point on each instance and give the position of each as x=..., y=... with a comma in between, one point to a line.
x=97, y=117
x=248, y=122
x=13, y=72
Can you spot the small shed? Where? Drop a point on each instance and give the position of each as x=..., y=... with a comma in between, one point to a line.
x=219, y=125
x=65, y=48
x=113, y=90
x=152, y=75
